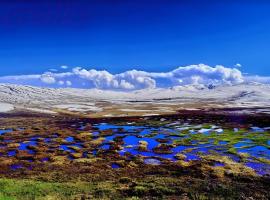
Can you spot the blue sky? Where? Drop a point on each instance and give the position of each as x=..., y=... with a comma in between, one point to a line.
x=149, y=35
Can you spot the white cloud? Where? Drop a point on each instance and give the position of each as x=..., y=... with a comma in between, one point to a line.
x=68, y=83
x=64, y=67
x=258, y=79
x=207, y=75
x=53, y=70
x=47, y=78
x=61, y=82
x=134, y=79
x=238, y=65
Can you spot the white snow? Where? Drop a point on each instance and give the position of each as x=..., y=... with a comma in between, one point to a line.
x=79, y=108
x=6, y=107
x=135, y=110
x=82, y=100
x=41, y=110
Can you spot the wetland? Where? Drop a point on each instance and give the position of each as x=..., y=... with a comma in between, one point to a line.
x=192, y=155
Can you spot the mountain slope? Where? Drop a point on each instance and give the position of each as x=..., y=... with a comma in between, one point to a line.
x=48, y=99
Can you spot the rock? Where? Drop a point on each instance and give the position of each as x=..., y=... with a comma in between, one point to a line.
x=98, y=141
x=86, y=160
x=143, y=145
x=180, y=156
x=76, y=155
x=184, y=163
x=163, y=149
x=228, y=173
x=13, y=145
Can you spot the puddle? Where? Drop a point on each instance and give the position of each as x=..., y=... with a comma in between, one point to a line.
x=45, y=159
x=191, y=157
x=24, y=145
x=16, y=167
x=12, y=153
x=219, y=164
x=243, y=143
x=223, y=142
x=47, y=140
x=257, y=129
x=260, y=168
x=5, y=131
x=70, y=139
x=105, y=147
x=70, y=148
x=257, y=151
x=115, y=166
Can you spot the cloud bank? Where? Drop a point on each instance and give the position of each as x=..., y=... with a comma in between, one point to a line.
x=133, y=80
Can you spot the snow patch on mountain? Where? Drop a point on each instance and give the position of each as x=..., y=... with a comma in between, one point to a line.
x=6, y=107
x=80, y=100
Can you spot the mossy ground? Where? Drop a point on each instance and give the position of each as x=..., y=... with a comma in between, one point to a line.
x=85, y=172
x=153, y=187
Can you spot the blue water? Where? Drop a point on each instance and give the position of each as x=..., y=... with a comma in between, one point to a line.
x=223, y=142
x=85, y=154
x=24, y=145
x=68, y=148
x=132, y=135
x=219, y=164
x=160, y=136
x=131, y=140
x=105, y=146
x=12, y=153
x=105, y=126
x=16, y=166
x=70, y=139
x=115, y=166
x=257, y=129
x=191, y=157
x=152, y=143
x=95, y=133
x=44, y=159
x=260, y=168
x=243, y=143
x=47, y=140
x=5, y=131
x=257, y=151
x=111, y=137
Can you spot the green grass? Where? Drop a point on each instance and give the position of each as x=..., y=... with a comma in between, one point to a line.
x=156, y=187
x=31, y=189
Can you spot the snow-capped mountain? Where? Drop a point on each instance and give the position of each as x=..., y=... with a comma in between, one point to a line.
x=29, y=97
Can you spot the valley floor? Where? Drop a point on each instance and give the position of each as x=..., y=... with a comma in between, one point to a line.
x=216, y=154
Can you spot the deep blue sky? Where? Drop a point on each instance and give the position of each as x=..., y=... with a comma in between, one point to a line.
x=120, y=35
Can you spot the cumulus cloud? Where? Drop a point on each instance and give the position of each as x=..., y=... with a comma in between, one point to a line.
x=204, y=74
x=238, y=65
x=47, y=78
x=133, y=79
